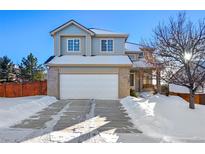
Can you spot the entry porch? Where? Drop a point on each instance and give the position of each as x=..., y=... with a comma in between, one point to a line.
x=145, y=79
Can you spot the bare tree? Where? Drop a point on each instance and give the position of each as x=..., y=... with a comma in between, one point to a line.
x=180, y=47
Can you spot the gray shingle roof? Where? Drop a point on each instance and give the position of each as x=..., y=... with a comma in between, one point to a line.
x=103, y=31
x=132, y=47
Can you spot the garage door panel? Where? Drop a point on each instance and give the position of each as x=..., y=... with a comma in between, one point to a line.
x=87, y=86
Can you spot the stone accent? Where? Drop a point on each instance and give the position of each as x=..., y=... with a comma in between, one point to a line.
x=53, y=82
x=124, y=82
x=88, y=70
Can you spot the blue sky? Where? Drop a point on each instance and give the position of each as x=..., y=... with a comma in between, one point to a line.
x=22, y=32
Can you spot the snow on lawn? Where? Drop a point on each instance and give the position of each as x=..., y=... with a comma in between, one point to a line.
x=166, y=117
x=178, y=89
x=13, y=110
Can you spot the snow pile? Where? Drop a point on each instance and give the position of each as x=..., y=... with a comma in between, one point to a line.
x=183, y=89
x=178, y=89
x=145, y=94
x=166, y=117
x=13, y=110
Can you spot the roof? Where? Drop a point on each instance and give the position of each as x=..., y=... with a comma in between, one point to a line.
x=132, y=47
x=90, y=60
x=69, y=23
x=49, y=59
x=142, y=63
x=105, y=32
x=92, y=31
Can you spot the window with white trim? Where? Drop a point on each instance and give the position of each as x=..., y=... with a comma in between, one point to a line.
x=107, y=45
x=73, y=45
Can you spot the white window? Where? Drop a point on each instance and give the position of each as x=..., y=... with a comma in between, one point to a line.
x=107, y=45
x=73, y=45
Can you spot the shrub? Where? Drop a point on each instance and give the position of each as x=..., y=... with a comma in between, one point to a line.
x=154, y=91
x=133, y=93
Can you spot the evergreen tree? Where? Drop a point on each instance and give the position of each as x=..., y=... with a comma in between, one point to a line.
x=30, y=69
x=7, y=71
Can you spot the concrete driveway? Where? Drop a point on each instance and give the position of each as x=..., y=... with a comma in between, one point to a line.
x=79, y=121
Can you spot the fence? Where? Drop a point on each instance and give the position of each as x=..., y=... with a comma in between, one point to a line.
x=199, y=98
x=23, y=89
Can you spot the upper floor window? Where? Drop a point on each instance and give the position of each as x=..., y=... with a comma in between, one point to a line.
x=73, y=44
x=107, y=45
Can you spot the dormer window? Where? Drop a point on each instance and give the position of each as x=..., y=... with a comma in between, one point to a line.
x=74, y=45
x=107, y=45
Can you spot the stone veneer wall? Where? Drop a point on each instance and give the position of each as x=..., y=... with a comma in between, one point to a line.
x=53, y=81
x=124, y=82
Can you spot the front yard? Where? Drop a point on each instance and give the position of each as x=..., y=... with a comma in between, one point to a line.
x=169, y=118
x=149, y=118
x=13, y=110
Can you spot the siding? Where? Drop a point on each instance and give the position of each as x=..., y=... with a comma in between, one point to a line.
x=64, y=46
x=119, y=46
x=88, y=45
x=91, y=70
x=60, y=45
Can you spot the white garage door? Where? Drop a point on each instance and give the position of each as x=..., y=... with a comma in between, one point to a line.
x=89, y=86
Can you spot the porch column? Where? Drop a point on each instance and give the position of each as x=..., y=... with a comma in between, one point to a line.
x=140, y=80
x=158, y=80
x=137, y=81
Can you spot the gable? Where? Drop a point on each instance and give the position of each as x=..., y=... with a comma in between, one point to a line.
x=72, y=27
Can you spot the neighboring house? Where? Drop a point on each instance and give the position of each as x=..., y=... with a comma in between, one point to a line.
x=93, y=63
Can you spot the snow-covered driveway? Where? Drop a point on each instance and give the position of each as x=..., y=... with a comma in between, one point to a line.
x=76, y=121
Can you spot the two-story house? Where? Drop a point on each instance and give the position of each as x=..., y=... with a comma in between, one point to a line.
x=91, y=63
